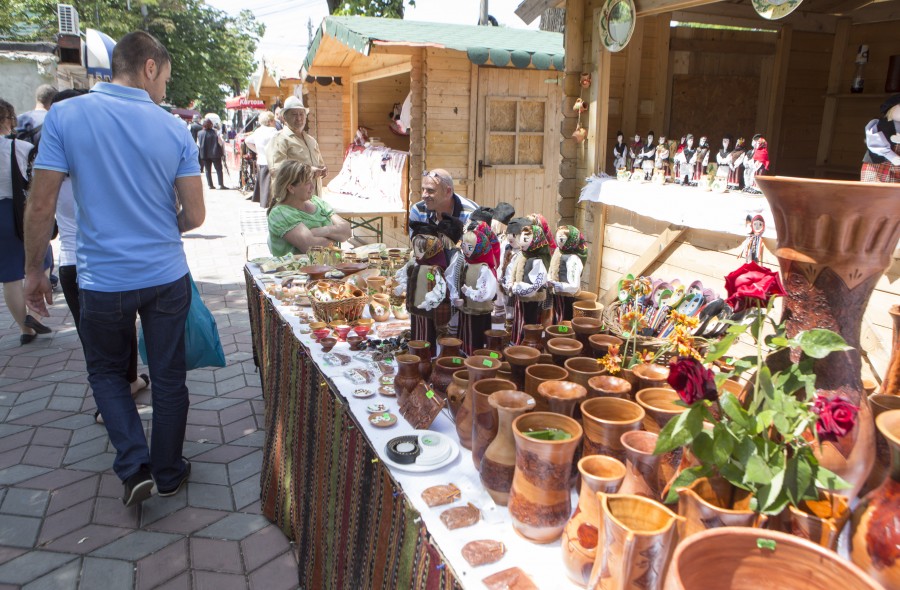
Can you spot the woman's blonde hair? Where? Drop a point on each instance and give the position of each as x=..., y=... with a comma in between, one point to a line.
x=289, y=173
x=265, y=117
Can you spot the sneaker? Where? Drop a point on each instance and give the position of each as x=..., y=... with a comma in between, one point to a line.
x=177, y=488
x=138, y=487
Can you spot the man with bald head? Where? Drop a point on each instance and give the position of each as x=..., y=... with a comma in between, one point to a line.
x=438, y=198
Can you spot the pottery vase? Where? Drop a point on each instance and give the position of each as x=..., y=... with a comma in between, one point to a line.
x=880, y=403
x=875, y=540
x=499, y=460
x=484, y=415
x=479, y=367
x=581, y=535
x=830, y=268
x=520, y=357
x=532, y=335
x=582, y=369
x=891, y=383
x=637, y=537
x=495, y=339
x=605, y=420
x=821, y=520
x=442, y=373
x=561, y=397
x=651, y=375
x=608, y=386
x=494, y=354
x=558, y=331
x=540, y=500
x=537, y=374
x=600, y=343
x=642, y=475
x=407, y=377
x=562, y=349
x=449, y=346
x=740, y=558
x=712, y=502
x=399, y=310
x=380, y=308
x=422, y=349
x=584, y=328
x=659, y=403
x=505, y=371
x=456, y=391
x=591, y=309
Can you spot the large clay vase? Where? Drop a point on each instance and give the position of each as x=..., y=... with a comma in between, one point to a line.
x=581, y=369
x=600, y=343
x=651, y=375
x=499, y=460
x=442, y=374
x=423, y=350
x=479, y=367
x=712, y=502
x=642, y=476
x=537, y=374
x=532, y=335
x=659, y=403
x=608, y=386
x=562, y=349
x=875, y=542
x=880, y=403
x=584, y=328
x=520, y=357
x=495, y=339
x=582, y=535
x=540, y=501
x=561, y=396
x=605, y=420
x=456, y=391
x=638, y=537
x=449, y=346
x=484, y=419
x=821, y=520
x=407, y=376
x=891, y=383
x=738, y=558
x=835, y=239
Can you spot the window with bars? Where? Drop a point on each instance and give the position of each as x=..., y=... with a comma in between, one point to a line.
x=515, y=132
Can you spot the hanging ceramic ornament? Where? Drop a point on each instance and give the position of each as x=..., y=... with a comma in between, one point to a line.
x=775, y=9
x=617, y=19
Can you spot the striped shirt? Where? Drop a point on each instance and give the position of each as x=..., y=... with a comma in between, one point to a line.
x=462, y=208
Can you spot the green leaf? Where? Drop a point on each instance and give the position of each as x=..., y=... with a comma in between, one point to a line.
x=777, y=341
x=758, y=471
x=819, y=343
x=685, y=479
x=736, y=329
x=720, y=347
x=828, y=480
x=799, y=481
x=733, y=410
x=704, y=447
x=735, y=476
x=680, y=431
x=724, y=444
x=770, y=497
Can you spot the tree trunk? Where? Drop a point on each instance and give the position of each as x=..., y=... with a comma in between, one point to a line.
x=333, y=5
x=554, y=20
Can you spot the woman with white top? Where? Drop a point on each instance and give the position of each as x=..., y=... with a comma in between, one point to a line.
x=257, y=142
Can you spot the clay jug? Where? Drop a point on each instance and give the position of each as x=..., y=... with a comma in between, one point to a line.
x=651, y=375
x=456, y=391
x=713, y=502
x=532, y=335
x=479, y=367
x=519, y=357
x=581, y=369
x=484, y=418
x=605, y=420
x=537, y=374
x=540, y=500
x=442, y=374
x=601, y=343
x=891, y=384
x=584, y=328
x=422, y=349
x=561, y=396
x=380, y=308
x=828, y=283
x=822, y=520
x=880, y=403
x=581, y=535
x=642, y=476
x=562, y=349
x=639, y=536
x=608, y=386
x=875, y=541
x=495, y=339
x=449, y=346
x=407, y=376
x=499, y=460
x=738, y=558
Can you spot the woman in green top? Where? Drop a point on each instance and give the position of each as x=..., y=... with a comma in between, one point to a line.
x=298, y=220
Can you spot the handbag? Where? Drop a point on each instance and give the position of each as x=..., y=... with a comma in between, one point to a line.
x=202, y=347
x=18, y=193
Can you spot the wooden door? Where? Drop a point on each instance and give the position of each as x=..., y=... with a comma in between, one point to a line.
x=517, y=140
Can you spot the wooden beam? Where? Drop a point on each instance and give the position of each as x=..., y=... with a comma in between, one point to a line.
x=473, y=129
x=743, y=15
x=597, y=248
x=631, y=97
x=877, y=13
x=354, y=108
x=713, y=47
x=663, y=242
x=385, y=72
x=574, y=62
x=848, y=6
x=651, y=7
x=598, y=121
x=661, y=73
x=826, y=131
x=776, y=100
x=529, y=10
x=334, y=72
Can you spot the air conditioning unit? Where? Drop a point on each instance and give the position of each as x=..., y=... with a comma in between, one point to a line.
x=68, y=19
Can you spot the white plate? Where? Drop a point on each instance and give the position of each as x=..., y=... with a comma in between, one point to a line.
x=413, y=468
x=362, y=393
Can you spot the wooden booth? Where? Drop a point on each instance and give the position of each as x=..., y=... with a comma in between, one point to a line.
x=711, y=68
x=484, y=106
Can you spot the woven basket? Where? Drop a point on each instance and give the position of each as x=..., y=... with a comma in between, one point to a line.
x=612, y=325
x=346, y=310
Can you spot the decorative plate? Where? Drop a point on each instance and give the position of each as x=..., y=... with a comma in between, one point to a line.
x=439, y=450
x=385, y=420
x=362, y=393
x=387, y=390
x=617, y=18
x=377, y=408
x=775, y=9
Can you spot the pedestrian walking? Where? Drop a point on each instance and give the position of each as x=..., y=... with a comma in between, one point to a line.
x=210, y=143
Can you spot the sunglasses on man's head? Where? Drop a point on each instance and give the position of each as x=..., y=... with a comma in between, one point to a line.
x=434, y=175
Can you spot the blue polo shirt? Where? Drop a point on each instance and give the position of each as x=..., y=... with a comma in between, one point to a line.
x=123, y=153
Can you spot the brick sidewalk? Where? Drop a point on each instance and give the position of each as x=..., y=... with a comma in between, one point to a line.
x=62, y=523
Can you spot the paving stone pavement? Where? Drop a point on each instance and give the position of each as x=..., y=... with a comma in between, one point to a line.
x=62, y=522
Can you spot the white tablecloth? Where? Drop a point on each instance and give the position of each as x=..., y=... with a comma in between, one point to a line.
x=542, y=562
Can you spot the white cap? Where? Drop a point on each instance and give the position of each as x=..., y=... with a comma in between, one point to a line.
x=294, y=102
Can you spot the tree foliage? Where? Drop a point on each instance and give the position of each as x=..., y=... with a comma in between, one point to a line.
x=383, y=8
x=210, y=49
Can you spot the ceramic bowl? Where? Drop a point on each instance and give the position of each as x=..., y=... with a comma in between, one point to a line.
x=362, y=331
x=601, y=343
x=342, y=330
x=320, y=333
x=354, y=342
x=327, y=343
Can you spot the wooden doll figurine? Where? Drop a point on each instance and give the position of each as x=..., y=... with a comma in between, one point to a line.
x=566, y=267
x=661, y=159
x=756, y=163
x=478, y=285
x=648, y=157
x=701, y=160
x=735, y=164
x=634, y=151
x=620, y=153
x=501, y=216
x=547, y=307
x=882, y=160
x=526, y=276
x=684, y=161
x=752, y=248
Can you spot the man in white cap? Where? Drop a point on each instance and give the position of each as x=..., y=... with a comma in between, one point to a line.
x=293, y=143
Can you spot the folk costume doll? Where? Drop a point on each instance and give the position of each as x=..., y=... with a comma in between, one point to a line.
x=451, y=231
x=620, y=153
x=647, y=157
x=701, y=161
x=547, y=307
x=755, y=164
x=882, y=160
x=735, y=166
x=566, y=267
x=526, y=276
x=478, y=285
x=751, y=249
x=502, y=214
x=685, y=161
x=634, y=151
x=661, y=159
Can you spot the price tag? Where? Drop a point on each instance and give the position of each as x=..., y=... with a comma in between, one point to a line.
x=429, y=394
x=766, y=544
x=494, y=355
x=430, y=276
x=386, y=416
x=487, y=363
x=427, y=344
x=563, y=329
x=457, y=360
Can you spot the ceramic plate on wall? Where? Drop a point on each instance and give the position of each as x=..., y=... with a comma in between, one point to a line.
x=775, y=9
x=617, y=20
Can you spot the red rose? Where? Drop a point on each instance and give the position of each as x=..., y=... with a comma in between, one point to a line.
x=837, y=417
x=692, y=380
x=751, y=284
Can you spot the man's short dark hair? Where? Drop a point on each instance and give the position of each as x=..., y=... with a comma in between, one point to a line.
x=132, y=52
x=44, y=94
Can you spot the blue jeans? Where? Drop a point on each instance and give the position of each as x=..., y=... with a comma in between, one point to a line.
x=107, y=333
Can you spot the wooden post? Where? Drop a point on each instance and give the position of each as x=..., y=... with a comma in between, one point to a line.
x=839, y=48
x=631, y=97
x=597, y=132
x=776, y=100
x=661, y=73
x=574, y=65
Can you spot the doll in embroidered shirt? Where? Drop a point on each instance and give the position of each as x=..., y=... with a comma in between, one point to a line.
x=478, y=285
x=526, y=276
x=566, y=268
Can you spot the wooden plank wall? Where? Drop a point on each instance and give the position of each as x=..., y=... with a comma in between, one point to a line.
x=326, y=123
x=376, y=99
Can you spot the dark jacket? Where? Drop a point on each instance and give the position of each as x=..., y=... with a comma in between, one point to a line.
x=208, y=142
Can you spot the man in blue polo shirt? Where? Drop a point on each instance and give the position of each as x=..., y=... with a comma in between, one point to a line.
x=438, y=198
x=137, y=186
